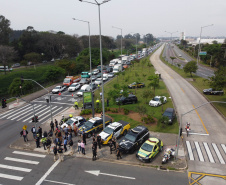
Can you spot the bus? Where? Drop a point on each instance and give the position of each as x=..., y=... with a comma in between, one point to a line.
x=6, y=68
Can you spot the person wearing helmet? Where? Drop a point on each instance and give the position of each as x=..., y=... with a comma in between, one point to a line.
x=70, y=116
x=187, y=125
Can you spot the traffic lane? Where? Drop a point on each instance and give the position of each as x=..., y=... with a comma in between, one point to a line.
x=72, y=171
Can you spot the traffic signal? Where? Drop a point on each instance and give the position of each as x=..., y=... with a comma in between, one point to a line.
x=4, y=103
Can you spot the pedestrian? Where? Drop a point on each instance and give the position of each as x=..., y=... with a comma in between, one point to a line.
x=97, y=103
x=55, y=152
x=58, y=141
x=83, y=148
x=48, y=145
x=94, y=143
x=33, y=131
x=24, y=133
x=69, y=136
x=50, y=133
x=60, y=153
x=84, y=137
x=70, y=143
x=56, y=123
x=76, y=105
x=65, y=144
x=94, y=149
x=44, y=140
x=75, y=130
x=37, y=140
x=118, y=152
x=114, y=142
x=40, y=131
x=79, y=146
x=52, y=125
x=99, y=141
x=45, y=134
x=65, y=130
x=69, y=128
x=107, y=102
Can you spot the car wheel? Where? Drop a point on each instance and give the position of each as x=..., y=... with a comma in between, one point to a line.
x=125, y=132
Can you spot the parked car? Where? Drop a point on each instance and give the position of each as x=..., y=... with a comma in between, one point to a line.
x=126, y=100
x=74, y=87
x=78, y=121
x=16, y=65
x=135, y=84
x=134, y=139
x=170, y=113
x=58, y=89
x=149, y=149
x=156, y=101
x=211, y=91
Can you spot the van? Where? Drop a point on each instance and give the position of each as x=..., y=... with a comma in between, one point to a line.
x=117, y=68
x=105, y=77
x=125, y=59
x=85, y=75
x=113, y=62
x=84, y=88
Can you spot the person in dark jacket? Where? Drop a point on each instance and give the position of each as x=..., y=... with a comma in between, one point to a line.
x=52, y=125
x=94, y=149
x=37, y=140
x=33, y=131
x=55, y=153
x=99, y=140
x=40, y=131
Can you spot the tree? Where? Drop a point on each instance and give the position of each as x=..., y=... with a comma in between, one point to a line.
x=7, y=53
x=154, y=81
x=218, y=81
x=142, y=110
x=172, y=58
x=147, y=94
x=53, y=73
x=14, y=88
x=191, y=67
x=33, y=57
x=5, y=30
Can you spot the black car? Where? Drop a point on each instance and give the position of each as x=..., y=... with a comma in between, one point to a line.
x=93, y=86
x=170, y=113
x=133, y=139
x=126, y=100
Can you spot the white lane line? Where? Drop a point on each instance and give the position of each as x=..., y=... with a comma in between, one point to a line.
x=30, y=114
x=13, y=177
x=15, y=168
x=52, y=113
x=196, y=134
x=218, y=153
x=21, y=160
x=56, y=182
x=208, y=152
x=56, y=103
x=224, y=148
x=26, y=113
x=29, y=154
x=15, y=110
x=48, y=172
x=199, y=151
x=191, y=156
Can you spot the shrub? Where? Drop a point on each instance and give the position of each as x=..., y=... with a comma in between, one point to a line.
x=126, y=111
x=86, y=112
x=98, y=110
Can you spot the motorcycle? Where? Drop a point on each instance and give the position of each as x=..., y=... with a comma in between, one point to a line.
x=169, y=153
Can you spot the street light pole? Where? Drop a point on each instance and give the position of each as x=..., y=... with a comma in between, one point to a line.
x=121, y=36
x=90, y=62
x=136, y=44
x=171, y=33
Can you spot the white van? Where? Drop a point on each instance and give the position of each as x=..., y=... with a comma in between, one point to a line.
x=84, y=88
x=113, y=62
x=117, y=68
x=105, y=77
x=125, y=59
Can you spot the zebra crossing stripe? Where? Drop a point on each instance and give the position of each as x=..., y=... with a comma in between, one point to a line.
x=224, y=148
x=29, y=154
x=15, y=110
x=15, y=168
x=208, y=152
x=13, y=177
x=52, y=113
x=218, y=153
x=21, y=160
x=191, y=156
x=199, y=151
x=21, y=112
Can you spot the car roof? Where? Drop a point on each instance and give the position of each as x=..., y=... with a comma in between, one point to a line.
x=92, y=120
x=75, y=84
x=77, y=117
x=152, y=141
x=114, y=125
x=138, y=129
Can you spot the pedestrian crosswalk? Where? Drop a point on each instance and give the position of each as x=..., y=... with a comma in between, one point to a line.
x=206, y=152
x=25, y=113
x=17, y=160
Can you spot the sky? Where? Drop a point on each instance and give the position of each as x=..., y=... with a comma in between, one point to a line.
x=136, y=16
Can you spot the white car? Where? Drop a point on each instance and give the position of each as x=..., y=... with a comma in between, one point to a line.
x=105, y=77
x=74, y=87
x=77, y=120
x=156, y=101
x=95, y=71
x=98, y=81
x=110, y=75
x=58, y=89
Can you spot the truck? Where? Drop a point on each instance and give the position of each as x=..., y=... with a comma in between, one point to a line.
x=70, y=80
x=113, y=62
x=125, y=59
x=117, y=68
x=115, y=129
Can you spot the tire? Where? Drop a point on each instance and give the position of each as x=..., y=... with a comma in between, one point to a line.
x=125, y=132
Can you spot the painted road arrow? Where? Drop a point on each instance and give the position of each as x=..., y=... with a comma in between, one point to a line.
x=97, y=173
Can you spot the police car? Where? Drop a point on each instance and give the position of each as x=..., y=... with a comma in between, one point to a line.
x=115, y=129
x=78, y=121
x=93, y=125
x=149, y=149
x=134, y=139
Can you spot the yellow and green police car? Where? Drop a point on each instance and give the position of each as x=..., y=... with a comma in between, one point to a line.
x=149, y=149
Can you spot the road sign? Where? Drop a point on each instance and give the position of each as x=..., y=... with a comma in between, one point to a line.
x=25, y=127
x=87, y=97
x=202, y=53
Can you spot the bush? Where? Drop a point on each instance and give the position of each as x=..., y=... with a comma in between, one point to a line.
x=114, y=110
x=126, y=111
x=147, y=120
x=98, y=110
x=86, y=112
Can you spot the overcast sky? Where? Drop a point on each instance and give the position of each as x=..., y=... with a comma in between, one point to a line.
x=142, y=16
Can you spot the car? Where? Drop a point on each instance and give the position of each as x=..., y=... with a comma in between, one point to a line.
x=95, y=71
x=16, y=65
x=93, y=86
x=74, y=87
x=84, y=88
x=94, y=77
x=126, y=100
x=98, y=75
x=94, y=125
x=170, y=113
x=98, y=81
x=115, y=129
x=134, y=139
x=58, y=89
x=136, y=85
x=111, y=75
x=84, y=81
x=78, y=121
x=105, y=77
x=156, y=101
x=149, y=149
x=211, y=91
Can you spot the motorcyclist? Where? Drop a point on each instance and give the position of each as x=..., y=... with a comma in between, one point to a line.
x=187, y=126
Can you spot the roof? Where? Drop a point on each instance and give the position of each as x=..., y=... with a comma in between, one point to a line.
x=138, y=129
x=152, y=141
x=92, y=120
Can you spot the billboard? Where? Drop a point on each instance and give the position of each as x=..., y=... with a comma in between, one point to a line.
x=87, y=97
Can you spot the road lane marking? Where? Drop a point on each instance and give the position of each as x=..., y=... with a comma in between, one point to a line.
x=182, y=90
x=56, y=103
x=218, y=153
x=29, y=154
x=191, y=156
x=224, y=148
x=13, y=177
x=15, y=168
x=201, y=120
x=14, y=110
x=208, y=152
x=58, y=182
x=193, y=133
x=199, y=151
x=21, y=160
x=52, y=113
x=48, y=172
x=22, y=112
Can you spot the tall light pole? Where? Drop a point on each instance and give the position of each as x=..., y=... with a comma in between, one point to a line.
x=198, y=58
x=101, y=59
x=171, y=33
x=121, y=36
x=136, y=44
x=90, y=61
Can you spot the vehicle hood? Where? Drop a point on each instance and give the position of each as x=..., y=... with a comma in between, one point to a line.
x=143, y=153
x=153, y=102
x=64, y=124
x=55, y=90
x=125, y=143
x=84, y=127
x=104, y=135
x=72, y=88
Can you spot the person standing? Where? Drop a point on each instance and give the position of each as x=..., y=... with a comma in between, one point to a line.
x=75, y=130
x=71, y=147
x=118, y=152
x=97, y=103
x=65, y=144
x=44, y=140
x=24, y=133
x=79, y=146
x=56, y=123
x=76, y=105
x=37, y=140
x=84, y=137
x=48, y=145
x=114, y=142
x=55, y=153
x=40, y=131
x=83, y=148
x=94, y=143
x=33, y=131
x=60, y=154
x=52, y=125
x=94, y=149
x=99, y=141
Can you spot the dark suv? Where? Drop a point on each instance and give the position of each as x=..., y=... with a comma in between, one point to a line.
x=125, y=100
x=133, y=139
x=170, y=113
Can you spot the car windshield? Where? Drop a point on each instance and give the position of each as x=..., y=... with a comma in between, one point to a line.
x=167, y=114
x=98, y=79
x=108, y=130
x=73, y=85
x=69, y=122
x=58, y=87
x=81, y=90
x=147, y=147
x=156, y=99
x=130, y=137
x=67, y=80
x=88, y=124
